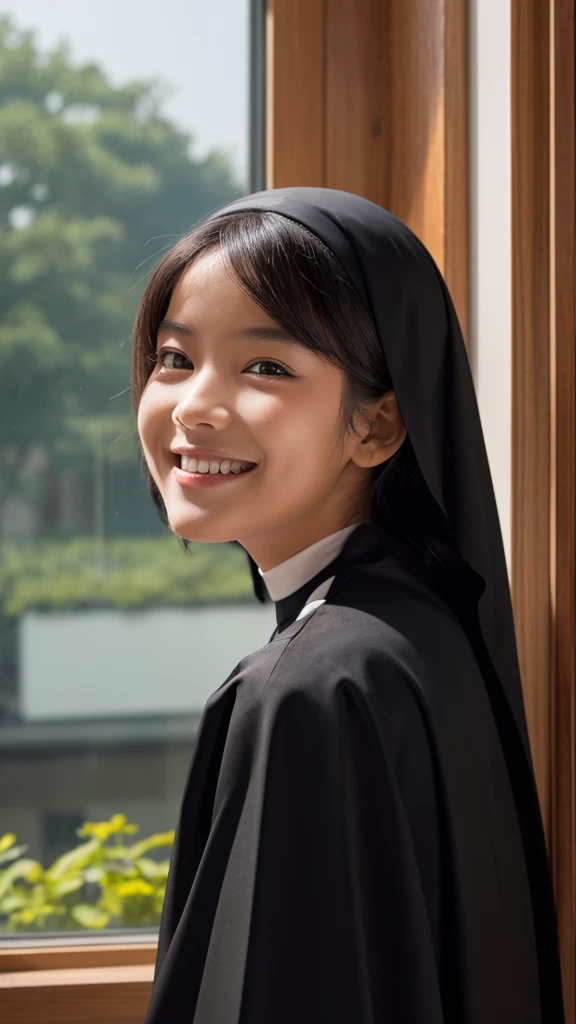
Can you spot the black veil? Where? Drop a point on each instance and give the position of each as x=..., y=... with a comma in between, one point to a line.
x=424, y=350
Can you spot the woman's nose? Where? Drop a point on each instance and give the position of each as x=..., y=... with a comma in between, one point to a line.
x=202, y=399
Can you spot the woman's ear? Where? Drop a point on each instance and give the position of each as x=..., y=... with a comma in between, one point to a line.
x=385, y=435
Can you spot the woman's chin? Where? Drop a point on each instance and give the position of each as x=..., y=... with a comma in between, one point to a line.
x=204, y=531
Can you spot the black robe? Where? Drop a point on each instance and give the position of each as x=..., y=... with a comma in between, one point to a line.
x=348, y=849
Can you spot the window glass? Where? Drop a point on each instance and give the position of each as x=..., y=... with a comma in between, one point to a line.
x=121, y=124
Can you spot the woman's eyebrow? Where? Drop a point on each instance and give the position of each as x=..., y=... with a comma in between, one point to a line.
x=259, y=333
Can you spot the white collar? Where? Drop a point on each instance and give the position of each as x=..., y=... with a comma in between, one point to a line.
x=290, y=575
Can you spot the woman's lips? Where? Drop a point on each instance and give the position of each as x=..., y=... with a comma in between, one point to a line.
x=186, y=479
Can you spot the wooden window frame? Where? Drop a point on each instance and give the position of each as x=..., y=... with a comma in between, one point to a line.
x=351, y=82
x=544, y=425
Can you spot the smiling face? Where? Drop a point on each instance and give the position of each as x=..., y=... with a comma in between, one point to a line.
x=232, y=381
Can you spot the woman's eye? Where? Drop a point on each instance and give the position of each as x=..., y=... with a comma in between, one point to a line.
x=168, y=352
x=161, y=357
x=270, y=362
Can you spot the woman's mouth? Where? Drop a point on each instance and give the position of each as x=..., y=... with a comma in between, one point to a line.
x=204, y=473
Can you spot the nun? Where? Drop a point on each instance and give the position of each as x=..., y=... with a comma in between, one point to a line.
x=359, y=839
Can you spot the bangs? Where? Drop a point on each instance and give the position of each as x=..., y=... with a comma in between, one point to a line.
x=286, y=270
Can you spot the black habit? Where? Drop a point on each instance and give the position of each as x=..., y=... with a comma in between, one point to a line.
x=360, y=840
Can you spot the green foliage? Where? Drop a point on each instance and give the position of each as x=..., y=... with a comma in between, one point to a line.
x=129, y=885
x=138, y=573
x=95, y=183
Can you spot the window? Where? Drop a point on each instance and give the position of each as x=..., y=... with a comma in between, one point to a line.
x=98, y=177
x=113, y=143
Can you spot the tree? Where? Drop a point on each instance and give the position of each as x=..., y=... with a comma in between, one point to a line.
x=94, y=185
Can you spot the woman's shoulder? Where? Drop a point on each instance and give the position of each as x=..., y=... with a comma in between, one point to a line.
x=335, y=657
x=382, y=617
x=379, y=636
x=385, y=641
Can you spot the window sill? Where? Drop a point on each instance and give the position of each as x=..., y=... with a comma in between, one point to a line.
x=76, y=985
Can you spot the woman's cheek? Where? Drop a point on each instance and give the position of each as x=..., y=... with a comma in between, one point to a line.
x=154, y=425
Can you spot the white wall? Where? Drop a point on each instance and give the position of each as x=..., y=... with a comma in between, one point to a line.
x=104, y=662
x=490, y=238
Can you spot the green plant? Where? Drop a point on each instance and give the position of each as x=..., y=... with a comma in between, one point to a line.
x=128, y=885
x=64, y=575
x=96, y=182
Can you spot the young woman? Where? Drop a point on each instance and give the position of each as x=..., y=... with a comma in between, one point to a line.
x=359, y=840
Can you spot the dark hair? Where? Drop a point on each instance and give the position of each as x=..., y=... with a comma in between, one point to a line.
x=301, y=285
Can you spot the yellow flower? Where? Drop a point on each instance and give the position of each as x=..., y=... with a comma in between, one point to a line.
x=6, y=841
x=135, y=887
x=102, y=830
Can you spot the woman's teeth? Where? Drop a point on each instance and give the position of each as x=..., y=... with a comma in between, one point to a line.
x=203, y=466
